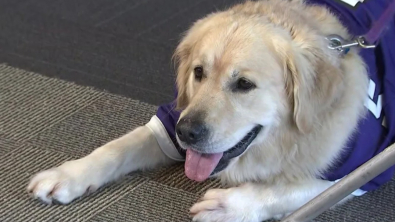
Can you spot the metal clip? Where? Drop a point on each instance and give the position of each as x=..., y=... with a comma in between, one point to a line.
x=362, y=43
x=343, y=46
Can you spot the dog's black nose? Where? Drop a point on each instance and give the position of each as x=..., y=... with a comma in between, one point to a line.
x=191, y=130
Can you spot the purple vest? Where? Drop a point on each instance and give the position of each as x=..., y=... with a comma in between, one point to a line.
x=377, y=131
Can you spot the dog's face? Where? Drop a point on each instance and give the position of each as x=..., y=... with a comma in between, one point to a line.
x=233, y=84
x=236, y=80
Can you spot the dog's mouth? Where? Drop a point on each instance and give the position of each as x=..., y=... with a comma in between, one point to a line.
x=200, y=166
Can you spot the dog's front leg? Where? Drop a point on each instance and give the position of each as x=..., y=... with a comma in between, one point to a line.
x=254, y=202
x=135, y=150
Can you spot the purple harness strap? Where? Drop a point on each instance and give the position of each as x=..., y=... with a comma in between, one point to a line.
x=380, y=25
x=367, y=41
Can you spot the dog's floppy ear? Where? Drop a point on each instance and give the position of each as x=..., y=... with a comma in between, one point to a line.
x=312, y=83
x=182, y=57
x=183, y=60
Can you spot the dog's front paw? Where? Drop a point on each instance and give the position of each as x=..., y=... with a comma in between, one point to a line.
x=61, y=184
x=226, y=205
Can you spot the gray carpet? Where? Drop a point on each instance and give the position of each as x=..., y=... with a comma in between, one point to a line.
x=122, y=46
x=46, y=121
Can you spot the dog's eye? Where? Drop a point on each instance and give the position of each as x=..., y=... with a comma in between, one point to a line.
x=198, y=71
x=244, y=85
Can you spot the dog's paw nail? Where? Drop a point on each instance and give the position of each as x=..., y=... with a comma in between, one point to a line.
x=52, y=192
x=56, y=202
x=90, y=189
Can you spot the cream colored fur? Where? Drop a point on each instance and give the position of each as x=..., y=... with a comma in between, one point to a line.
x=308, y=98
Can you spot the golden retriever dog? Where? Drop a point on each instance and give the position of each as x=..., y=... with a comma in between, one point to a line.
x=256, y=82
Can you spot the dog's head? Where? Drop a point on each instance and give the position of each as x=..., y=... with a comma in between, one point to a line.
x=239, y=78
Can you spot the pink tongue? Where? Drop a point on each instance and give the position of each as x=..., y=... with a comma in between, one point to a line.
x=199, y=166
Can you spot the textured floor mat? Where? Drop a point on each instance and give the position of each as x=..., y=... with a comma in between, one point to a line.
x=45, y=121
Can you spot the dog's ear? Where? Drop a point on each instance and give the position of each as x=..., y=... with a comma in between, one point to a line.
x=313, y=84
x=182, y=57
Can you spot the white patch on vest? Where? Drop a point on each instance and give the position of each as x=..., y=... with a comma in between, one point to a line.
x=374, y=108
x=163, y=139
x=353, y=3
